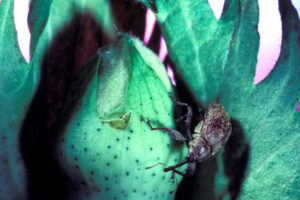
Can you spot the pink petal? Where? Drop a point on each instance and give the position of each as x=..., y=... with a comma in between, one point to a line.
x=150, y=22
x=270, y=31
x=163, y=51
x=171, y=75
x=21, y=9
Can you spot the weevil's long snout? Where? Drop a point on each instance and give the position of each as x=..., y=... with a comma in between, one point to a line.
x=175, y=166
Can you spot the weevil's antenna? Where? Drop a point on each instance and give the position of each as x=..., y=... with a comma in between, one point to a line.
x=155, y=165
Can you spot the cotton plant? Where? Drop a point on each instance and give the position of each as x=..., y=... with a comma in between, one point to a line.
x=94, y=142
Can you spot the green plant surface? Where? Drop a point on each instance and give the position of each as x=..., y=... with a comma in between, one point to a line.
x=106, y=144
x=265, y=111
x=61, y=13
x=197, y=42
x=108, y=160
x=19, y=80
x=37, y=19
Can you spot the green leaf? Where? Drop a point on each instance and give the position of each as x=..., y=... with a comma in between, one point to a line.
x=37, y=19
x=197, y=42
x=266, y=111
x=111, y=160
x=54, y=15
x=101, y=10
x=18, y=82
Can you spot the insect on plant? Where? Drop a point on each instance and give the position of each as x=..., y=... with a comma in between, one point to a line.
x=209, y=136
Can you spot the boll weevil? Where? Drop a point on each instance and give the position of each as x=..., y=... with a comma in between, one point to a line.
x=209, y=136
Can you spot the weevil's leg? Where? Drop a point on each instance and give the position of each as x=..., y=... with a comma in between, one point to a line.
x=190, y=171
x=173, y=133
x=178, y=172
x=188, y=121
x=176, y=166
x=180, y=118
x=188, y=115
x=173, y=177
